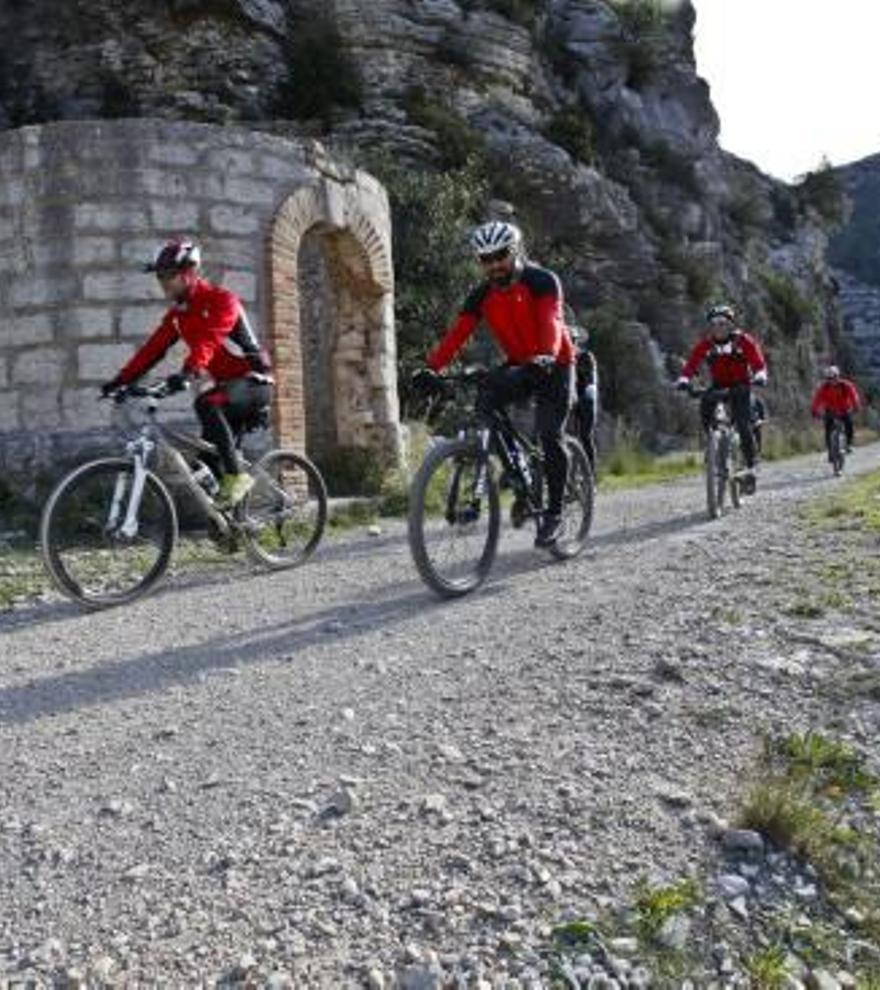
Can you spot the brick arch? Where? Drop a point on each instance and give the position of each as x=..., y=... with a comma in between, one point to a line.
x=358, y=258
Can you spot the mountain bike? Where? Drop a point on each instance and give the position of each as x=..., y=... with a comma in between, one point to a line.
x=109, y=528
x=836, y=446
x=455, y=501
x=723, y=465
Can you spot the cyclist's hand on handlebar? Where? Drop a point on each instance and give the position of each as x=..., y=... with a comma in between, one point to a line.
x=759, y=377
x=683, y=384
x=546, y=362
x=178, y=382
x=425, y=381
x=110, y=388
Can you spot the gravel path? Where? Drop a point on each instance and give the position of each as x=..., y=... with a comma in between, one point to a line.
x=331, y=774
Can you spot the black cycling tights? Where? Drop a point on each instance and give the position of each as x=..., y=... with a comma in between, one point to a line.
x=553, y=392
x=224, y=411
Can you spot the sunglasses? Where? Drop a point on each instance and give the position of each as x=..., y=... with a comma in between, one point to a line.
x=499, y=255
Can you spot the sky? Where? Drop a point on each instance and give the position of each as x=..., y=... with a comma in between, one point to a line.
x=793, y=80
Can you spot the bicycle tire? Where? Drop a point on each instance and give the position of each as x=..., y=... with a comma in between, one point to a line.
x=74, y=510
x=282, y=521
x=452, y=456
x=837, y=453
x=734, y=465
x=579, y=488
x=711, y=472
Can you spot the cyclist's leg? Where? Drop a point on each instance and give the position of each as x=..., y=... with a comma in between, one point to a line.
x=554, y=398
x=848, y=429
x=708, y=401
x=210, y=408
x=502, y=386
x=829, y=426
x=741, y=411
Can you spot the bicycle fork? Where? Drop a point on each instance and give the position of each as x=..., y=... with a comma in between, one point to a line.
x=139, y=451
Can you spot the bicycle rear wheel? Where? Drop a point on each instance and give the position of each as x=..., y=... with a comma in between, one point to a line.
x=453, y=536
x=735, y=466
x=87, y=554
x=577, y=503
x=283, y=516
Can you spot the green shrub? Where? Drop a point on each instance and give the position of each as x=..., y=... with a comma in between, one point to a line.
x=572, y=129
x=821, y=190
x=351, y=471
x=457, y=141
x=788, y=308
x=321, y=75
x=432, y=214
x=671, y=165
x=523, y=12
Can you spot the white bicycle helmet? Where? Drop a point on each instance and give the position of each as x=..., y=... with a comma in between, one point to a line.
x=721, y=310
x=497, y=235
x=832, y=372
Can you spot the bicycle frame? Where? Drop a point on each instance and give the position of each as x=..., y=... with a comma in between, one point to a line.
x=153, y=439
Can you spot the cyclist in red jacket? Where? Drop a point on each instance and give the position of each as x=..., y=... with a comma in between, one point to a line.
x=735, y=362
x=836, y=398
x=521, y=304
x=222, y=348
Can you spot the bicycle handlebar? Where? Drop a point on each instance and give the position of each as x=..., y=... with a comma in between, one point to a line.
x=159, y=390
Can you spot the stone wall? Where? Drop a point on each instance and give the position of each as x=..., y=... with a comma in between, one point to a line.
x=83, y=204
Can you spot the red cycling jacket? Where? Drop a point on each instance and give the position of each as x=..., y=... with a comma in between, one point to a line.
x=838, y=398
x=525, y=318
x=731, y=362
x=213, y=325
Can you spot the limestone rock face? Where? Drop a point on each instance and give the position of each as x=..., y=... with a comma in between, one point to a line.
x=589, y=113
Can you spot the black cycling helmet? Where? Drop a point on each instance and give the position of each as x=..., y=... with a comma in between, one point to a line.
x=175, y=256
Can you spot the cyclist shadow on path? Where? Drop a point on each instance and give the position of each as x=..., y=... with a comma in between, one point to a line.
x=150, y=673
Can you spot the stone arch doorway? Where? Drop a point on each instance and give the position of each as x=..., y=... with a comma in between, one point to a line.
x=331, y=320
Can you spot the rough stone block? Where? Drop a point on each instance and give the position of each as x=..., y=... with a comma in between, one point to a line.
x=17, y=330
x=4, y=373
x=116, y=285
x=135, y=252
x=232, y=162
x=234, y=190
x=39, y=366
x=43, y=290
x=84, y=322
x=110, y=216
x=135, y=322
x=174, y=218
x=9, y=418
x=243, y=284
x=40, y=408
x=77, y=252
x=101, y=361
x=173, y=154
x=234, y=220
x=11, y=191
x=80, y=409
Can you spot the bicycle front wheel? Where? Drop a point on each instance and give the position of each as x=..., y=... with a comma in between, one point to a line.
x=577, y=503
x=713, y=504
x=453, y=530
x=837, y=455
x=283, y=516
x=99, y=548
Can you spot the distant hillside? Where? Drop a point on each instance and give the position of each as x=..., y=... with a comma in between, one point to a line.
x=856, y=248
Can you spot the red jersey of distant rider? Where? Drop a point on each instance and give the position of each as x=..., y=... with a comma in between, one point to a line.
x=205, y=322
x=731, y=362
x=837, y=397
x=525, y=318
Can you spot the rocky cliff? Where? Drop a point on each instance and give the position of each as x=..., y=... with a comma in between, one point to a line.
x=587, y=116
x=854, y=252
